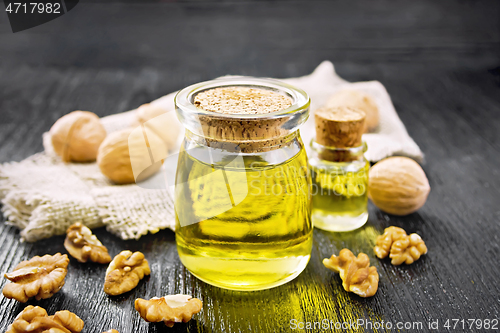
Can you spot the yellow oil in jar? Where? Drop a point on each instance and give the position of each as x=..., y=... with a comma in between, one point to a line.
x=254, y=230
x=340, y=195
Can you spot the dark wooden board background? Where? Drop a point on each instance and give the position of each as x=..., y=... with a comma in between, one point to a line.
x=439, y=60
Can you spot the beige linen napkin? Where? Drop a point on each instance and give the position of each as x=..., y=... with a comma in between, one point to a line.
x=43, y=196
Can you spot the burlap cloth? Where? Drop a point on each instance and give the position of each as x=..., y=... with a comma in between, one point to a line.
x=43, y=196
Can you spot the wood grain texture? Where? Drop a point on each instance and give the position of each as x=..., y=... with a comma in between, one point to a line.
x=438, y=60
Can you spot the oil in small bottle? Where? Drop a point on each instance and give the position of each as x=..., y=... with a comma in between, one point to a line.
x=339, y=192
x=339, y=170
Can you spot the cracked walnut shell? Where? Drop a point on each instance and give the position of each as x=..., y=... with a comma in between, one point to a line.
x=170, y=309
x=39, y=277
x=407, y=250
x=385, y=241
x=35, y=319
x=125, y=272
x=356, y=274
x=83, y=245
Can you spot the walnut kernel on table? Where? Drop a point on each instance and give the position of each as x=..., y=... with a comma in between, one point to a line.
x=407, y=250
x=400, y=247
x=83, y=245
x=39, y=277
x=35, y=319
x=356, y=274
x=384, y=241
x=125, y=272
x=170, y=309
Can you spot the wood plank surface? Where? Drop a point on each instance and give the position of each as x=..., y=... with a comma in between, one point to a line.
x=439, y=62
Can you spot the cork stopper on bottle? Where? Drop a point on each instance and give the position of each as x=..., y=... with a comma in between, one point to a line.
x=339, y=127
x=248, y=134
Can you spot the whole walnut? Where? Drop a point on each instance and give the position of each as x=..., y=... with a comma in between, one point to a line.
x=357, y=100
x=398, y=185
x=76, y=137
x=158, y=119
x=131, y=155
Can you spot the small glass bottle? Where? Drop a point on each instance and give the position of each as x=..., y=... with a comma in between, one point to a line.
x=339, y=170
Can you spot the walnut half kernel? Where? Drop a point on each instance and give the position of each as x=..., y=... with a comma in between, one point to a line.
x=400, y=247
x=125, y=272
x=170, y=309
x=83, y=245
x=356, y=274
x=39, y=277
x=407, y=250
x=35, y=319
x=384, y=242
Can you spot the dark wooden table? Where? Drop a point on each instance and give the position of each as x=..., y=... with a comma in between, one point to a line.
x=439, y=60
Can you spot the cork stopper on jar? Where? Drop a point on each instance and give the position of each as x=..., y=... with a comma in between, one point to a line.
x=339, y=127
x=248, y=134
x=241, y=100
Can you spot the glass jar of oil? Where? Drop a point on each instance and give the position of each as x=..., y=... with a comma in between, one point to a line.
x=339, y=187
x=242, y=195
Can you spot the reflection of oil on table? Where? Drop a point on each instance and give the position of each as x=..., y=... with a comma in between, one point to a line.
x=439, y=62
